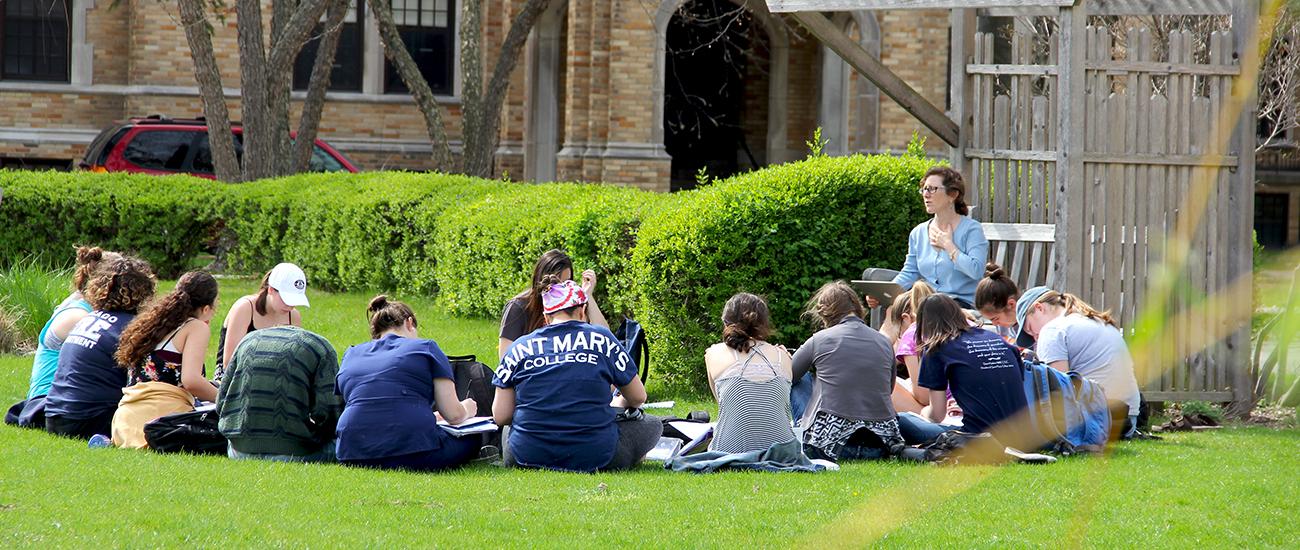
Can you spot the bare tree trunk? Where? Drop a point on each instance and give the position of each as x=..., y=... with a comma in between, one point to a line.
x=483, y=114
x=198, y=32
x=309, y=122
x=471, y=92
x=396, y=52
x=259, y=149
x=265, y=78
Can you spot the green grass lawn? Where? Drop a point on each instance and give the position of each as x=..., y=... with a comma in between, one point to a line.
x=1230, y=488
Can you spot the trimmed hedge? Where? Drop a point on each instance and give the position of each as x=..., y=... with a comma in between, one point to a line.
x=165, y=220
x=673, y=259
x=486, y=252
x=780, y=233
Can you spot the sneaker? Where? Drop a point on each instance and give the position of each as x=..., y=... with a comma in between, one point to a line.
x=99, y=441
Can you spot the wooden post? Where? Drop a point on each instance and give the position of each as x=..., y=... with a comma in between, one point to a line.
x=885, y=79
x=962, y=27
x=1071, y=234
x=1241, y=213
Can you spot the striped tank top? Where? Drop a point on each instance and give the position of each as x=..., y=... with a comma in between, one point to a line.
x=753, y=405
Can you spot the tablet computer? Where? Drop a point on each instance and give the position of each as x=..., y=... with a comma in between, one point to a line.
x=883, y=291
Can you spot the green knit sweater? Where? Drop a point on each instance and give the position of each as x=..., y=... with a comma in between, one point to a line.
x=277, y=396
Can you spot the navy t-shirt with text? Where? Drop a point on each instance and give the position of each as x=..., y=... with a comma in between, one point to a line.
x=88, y=382
x=985, y=374
x=561, y=375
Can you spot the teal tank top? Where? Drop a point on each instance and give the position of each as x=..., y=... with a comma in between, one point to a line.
x=47, y=350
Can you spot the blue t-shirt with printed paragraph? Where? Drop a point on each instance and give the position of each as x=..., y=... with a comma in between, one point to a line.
x=985, y=374
x=88, y=382
x=561, y=375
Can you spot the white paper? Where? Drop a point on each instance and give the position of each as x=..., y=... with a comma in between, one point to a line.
x=659, y=405
x=665, y=449
x=693, y=430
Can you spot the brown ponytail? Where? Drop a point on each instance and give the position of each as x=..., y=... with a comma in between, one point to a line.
x=993, y=291
x=1075, y=304
x=953, y=183
x=745, y=319
x=385, y=315
x=259, y=303
x=194, y=290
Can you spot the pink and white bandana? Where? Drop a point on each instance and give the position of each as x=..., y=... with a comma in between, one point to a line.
x=562, y=295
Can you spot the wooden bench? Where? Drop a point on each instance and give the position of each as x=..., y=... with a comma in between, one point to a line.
x=1024, y=250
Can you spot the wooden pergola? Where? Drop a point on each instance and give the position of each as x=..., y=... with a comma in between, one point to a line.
x=1115, y=163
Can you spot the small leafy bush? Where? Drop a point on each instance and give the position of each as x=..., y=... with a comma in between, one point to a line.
x=781, y=233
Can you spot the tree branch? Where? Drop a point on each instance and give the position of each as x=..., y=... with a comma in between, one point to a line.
x=478, y=159
x=395, y=50
x=198, y=32
x=309, y=121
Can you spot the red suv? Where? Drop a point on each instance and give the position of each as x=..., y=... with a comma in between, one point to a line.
x=159, y=145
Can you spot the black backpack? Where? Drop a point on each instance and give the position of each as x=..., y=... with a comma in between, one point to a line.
x=188, y=432
x=473, y=379
x=633, y=338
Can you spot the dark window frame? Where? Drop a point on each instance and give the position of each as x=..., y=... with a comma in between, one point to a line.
x=8, y=73
x=393, y=83
x=354, y=71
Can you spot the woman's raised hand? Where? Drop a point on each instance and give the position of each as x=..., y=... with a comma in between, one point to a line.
x=589, y=281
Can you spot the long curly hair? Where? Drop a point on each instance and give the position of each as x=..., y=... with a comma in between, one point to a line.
x=193, y=291
x=121, y=284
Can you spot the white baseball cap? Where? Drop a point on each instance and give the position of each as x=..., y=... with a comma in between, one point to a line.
x=291, y=282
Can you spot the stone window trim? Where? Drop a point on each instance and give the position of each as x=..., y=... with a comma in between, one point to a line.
x=82, y=70
x=193, y=91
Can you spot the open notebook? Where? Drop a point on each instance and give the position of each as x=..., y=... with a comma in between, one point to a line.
x=475, y=425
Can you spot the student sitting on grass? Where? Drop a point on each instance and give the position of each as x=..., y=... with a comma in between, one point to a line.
x=88, y=383
x=855, y=376
x=283, y=291
x=913, y=401
x=750, y=378
x=982, y=370
x=390, y=386
x=162, y=351
x=899, y=320
x=553, y=389
x=30, y=413
x=524, y=313
x=995, y=298
x=1072, y=336
x=277, y=401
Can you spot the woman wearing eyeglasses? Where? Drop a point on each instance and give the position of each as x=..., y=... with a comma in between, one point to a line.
x=949, y=250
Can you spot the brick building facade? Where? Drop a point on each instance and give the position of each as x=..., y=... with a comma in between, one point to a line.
x=587, y=101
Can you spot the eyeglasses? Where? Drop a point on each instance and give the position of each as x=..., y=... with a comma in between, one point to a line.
x=930, y=190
